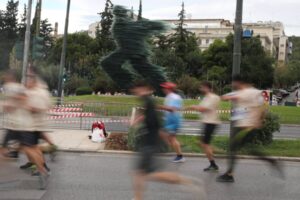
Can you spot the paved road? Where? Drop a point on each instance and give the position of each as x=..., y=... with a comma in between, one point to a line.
x=105, y=176
x=189, y=127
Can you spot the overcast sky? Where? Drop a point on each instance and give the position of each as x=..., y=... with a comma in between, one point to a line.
x=84, y=12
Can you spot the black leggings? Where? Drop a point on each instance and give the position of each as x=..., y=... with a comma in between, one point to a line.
x=243, y=136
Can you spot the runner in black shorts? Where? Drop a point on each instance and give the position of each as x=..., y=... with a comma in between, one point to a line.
x=207, y=133
x=147, y=167
x=210, y=119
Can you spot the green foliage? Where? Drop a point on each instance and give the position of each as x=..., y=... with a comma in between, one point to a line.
x=103, y=31
x=134, y=140
x=140, y=15
x=75, y=82
x=256, y=63
x=104, y=84
x=264, y=135
x=8, y=32
x=84, y=91
x=189, y=85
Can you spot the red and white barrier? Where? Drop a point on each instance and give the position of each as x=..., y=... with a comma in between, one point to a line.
x=71, y=115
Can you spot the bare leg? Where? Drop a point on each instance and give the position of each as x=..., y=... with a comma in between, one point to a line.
x=175, y=144
x=169, y=177
x=208, y=151
x=35, y=155
x=139, y=185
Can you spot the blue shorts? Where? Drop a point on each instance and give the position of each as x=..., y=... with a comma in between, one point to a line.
x=172, y=124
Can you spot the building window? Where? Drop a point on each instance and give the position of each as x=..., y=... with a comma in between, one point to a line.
x=282, y=45
x=199, y=41
x=207, y=41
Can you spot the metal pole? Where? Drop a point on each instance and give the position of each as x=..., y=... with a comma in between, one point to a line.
x=38, y=20
x=237, y=38
x=26, y=42
x=63, y=56
x=236, y=64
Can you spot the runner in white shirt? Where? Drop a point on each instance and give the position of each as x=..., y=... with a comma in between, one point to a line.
x=247, y=119
x=210, y=119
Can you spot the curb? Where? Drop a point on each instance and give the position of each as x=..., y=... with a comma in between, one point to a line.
x=191, y=155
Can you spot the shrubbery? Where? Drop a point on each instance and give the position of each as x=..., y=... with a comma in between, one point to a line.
x=265, y=135
x=135, y=139
x=84, y=91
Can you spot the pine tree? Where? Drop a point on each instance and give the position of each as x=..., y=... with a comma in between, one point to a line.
x=36, y=18
x=8, y=32
x=183, y=40
x=140, y=16
x=103, y=32
x=45, y=32
x=132, y=13
x=11, y=20
x=22, y=24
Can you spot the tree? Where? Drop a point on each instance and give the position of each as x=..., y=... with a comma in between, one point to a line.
x=140, y=15
x=8, y=32
x=45, y=32
x=103, y=31
x=22, y=24
x=189, y=85
x=256, y=63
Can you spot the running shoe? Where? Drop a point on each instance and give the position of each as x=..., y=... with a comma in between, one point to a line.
x=53, y=152
x=26, y=166
x=12, y=154
x=43, y=181
x=35, y=172
x=225, y=179
x=211, y=168
x=178, y=159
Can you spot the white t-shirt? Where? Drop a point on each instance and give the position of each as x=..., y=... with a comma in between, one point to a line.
x=17, y=118
x=210, y=102
x=39, y=98
x=248, y=108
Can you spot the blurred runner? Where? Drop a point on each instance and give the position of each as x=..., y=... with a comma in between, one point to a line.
x=210, y=119
x=13, y=97
x=172, y=119
x=39, y=99
x=248, y=118
x=147, y=167
x=30, y=137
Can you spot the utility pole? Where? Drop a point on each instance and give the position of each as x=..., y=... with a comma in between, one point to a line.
x=63, y=57
x=38, y=20
x=236, y=67
x=26, y=42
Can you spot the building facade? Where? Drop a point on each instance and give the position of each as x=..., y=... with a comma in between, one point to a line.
x=272, y=35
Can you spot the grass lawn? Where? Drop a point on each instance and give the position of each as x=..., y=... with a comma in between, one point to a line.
x=288, y=115
x=286, y=148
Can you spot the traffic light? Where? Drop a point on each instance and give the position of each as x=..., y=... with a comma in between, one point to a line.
x=37, y=48
x=66, y=77
x=19, y=50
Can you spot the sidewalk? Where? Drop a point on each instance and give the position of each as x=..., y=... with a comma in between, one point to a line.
x=71, y=140
x=74, y=140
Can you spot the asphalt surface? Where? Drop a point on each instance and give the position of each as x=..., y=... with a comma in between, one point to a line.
x=105, y=176
x=188, y=127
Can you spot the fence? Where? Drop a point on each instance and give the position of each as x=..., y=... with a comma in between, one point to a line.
x=82, y=115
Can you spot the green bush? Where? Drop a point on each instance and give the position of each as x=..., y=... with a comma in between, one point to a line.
x=134, y=140
x=265, y=135
x=84, y=91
